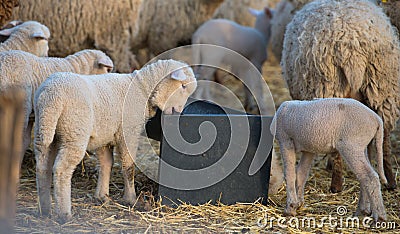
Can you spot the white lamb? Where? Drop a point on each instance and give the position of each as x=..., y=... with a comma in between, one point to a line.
x=27, y=71
x=75, y=112
x=30, y=36
x=326, y=126
x=247, y=41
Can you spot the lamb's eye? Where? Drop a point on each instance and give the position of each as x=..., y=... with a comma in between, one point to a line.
x=183, y=86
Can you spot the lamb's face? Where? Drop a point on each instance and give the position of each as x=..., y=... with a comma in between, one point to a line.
x=103, y=64
x=172, y=93
x=38, y=36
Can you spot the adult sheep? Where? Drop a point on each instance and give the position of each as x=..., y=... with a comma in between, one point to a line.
x=76, y=112
x=6, y=8
x=27, y=71
x=338, y=48
x=158, y=25
x=392, y=9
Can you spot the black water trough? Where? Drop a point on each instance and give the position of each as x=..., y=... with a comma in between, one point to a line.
x=223, y=155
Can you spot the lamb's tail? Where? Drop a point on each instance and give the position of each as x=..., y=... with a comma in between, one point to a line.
x=379, y=152
x=47, y=112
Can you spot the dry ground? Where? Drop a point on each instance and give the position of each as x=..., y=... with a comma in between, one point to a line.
x=90, y=216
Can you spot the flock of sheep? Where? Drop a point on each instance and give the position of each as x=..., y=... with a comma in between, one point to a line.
x=329, y=49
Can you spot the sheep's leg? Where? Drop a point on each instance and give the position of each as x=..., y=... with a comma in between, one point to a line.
x=337, y=173
x=368, y=178
x=128, y=170
x=302, y=172
x=67, y=159
x=387, y=165
x=289, y=165
x=106, y=161
x=45, y=156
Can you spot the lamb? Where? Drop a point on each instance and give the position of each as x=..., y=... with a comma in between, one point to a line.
x=249, y=42
x=30, y=36
x=345, y=49
x=330, y=125
x=76, y=112
x=27, y=71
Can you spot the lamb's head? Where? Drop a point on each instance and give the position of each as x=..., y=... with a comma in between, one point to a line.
x=97, y=60
x=263, y=21
x=32, y=35
x=172, y=92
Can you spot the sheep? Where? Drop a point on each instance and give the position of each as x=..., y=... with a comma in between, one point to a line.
x=330, y=125
x=6, y=7
x=247, y=41
x=237, y=11
x=27, y=71
x=30, y=36
x=157, y=25
x=285, y=10
x=337, y=48
x=76, y=112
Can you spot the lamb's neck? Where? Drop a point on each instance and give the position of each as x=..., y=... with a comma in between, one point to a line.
x=265, y=31
x=147, y=80
x=81, y=63
x=151, y=75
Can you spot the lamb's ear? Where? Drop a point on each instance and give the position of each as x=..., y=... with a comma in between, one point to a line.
x=268, y=12
x=106, y=62
x=254, y=12
x=12, y=24
x=39, y=35
x=7, y=32
x=178, y=75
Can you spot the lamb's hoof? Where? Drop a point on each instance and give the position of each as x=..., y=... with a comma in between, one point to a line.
x=63, y=218
x=336, y=188
x=363, y=212
x=253, y=109
x=290, y=210
x=391, y=186
x=44, y=213
x=101, y=201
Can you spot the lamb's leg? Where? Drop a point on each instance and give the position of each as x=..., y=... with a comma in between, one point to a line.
x=28, y=123
x=289, y=165
x=128, y=170
x=337, y=173
x=203, y=83
x=69, y=156
x=45, y=156
x=387, y=164
x=364, y=205
x=106, y=160
x=27, y=135
x=302, y=172
x=368, y=178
